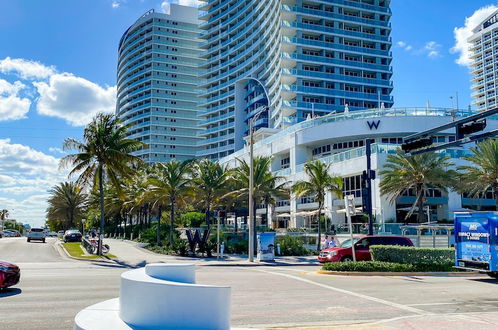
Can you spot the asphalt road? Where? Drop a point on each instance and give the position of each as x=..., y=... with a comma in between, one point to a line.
x=54, y=288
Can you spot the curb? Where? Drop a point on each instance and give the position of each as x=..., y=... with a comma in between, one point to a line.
x=332, y=272
x=81, y=259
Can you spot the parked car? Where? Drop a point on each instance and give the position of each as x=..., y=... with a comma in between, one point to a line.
x=36, y=234
x=72, y=236
x=11, y=233
x=9, y=274
x=51, y=234
x=362, y=245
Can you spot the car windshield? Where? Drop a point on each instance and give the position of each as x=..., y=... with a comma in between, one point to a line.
x=347, y=243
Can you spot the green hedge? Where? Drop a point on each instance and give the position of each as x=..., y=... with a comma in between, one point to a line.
x=412, y=255
x=382, y=266
x=368, y=266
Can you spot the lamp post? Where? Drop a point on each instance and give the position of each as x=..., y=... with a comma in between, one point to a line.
x=252, y=223
x=83, y=226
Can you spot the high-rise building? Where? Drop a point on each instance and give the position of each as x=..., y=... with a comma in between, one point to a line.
x=484, y=56
x=157, y=83
x=289, y=59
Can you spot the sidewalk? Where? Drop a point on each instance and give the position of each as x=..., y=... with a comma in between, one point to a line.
x=130, y=254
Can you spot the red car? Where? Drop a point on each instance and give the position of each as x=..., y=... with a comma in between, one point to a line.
x=362, y=248
x=9, y=274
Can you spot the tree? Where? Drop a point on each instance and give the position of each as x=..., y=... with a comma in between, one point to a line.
x=4, y=214
x=210, y=184
x=319, y=183
x=67, y=203
x=105, y=153
x=482, y=176
x=170, y=184
x=265, y=183
x=403, y=173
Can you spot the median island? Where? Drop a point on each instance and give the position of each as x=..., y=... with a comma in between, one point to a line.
x=400, y=259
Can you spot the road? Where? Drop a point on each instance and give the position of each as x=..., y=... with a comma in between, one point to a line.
x=54, y=288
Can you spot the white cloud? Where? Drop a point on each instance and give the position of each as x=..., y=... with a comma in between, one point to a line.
x=461, y=34
x=29, y=175
x=165, y=4
x=432, y=49
x=74, y=99
x=20, y=159
x=56, y=150
x=12, y=106
x=117, y=3
x=404, y=45
x=26, y=69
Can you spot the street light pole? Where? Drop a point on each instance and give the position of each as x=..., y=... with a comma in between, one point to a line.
x=251, y=187
x=252, y=224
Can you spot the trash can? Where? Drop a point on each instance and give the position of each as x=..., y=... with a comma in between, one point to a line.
x=266, y=247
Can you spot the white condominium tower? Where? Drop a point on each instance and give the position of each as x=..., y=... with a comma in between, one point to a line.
x=157, y=83
x=484, y=56
x=287, y=60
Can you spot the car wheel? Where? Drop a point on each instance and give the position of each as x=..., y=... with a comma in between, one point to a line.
x=29, y=240
x=347, y=259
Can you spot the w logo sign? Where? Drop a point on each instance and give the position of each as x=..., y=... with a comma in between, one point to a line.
x=373, y=124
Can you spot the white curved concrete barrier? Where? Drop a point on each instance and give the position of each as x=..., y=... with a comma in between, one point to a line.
x=160, y=296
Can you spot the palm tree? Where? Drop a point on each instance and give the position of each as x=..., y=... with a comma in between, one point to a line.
x=265, y=183
x=403, y=173
x=67, y=202
x=319, y=183
x=104, y=153
x=4, y=214
x=170, y=185
x=210, y=184
x=483, y=174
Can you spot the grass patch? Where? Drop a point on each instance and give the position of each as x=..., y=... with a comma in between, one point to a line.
x=76, y=250
x=383, y=266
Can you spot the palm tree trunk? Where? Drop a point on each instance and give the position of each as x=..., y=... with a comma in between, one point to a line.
x=172, y=220
x=158, y=234
x=319, y=241
x=420, y=213
x=102, y=209
x=208, y=214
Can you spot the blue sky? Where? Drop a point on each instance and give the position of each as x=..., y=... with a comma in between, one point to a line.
x=58, y=68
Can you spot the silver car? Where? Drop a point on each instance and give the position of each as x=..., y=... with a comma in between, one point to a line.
x=36, y=234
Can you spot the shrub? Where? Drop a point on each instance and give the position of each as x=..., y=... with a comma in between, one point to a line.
x=192, y=219
x=412, y=255
x=368, y=266
x=292, y=246
x=383, y=266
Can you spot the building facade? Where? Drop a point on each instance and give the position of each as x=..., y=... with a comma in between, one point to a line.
x=484, y=56
x=286, y=60
x=157, y=83
x=339, y=140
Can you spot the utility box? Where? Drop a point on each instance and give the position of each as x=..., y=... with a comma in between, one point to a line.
x=476, y=240
x=266, y=247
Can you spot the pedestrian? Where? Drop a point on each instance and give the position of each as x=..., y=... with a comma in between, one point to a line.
x=326, y=242
x=332, y=242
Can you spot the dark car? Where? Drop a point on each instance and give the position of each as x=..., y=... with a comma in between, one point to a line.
x=344, y=252
x=72, y=236
x=9, y=274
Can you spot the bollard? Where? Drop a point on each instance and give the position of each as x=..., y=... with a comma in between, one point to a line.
x=131, y=237
x=278, y=249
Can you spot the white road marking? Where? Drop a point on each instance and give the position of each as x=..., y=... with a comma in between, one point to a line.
x=434, y=304
x=359, y=295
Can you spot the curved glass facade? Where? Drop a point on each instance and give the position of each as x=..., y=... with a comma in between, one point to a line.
x=289, y=59
x=157, y=83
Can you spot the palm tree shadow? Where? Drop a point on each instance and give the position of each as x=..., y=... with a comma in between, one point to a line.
x=9, y=292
